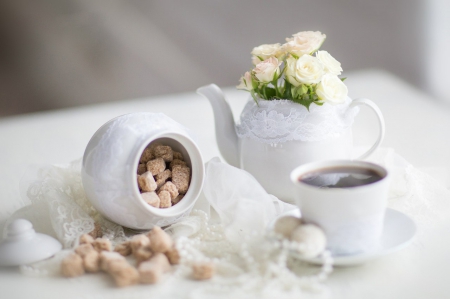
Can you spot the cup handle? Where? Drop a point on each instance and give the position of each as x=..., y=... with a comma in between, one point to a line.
x=374, y=107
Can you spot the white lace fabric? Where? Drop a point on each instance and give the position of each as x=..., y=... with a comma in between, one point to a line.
x=254, y=267
x=58, y=199
x=279, y=121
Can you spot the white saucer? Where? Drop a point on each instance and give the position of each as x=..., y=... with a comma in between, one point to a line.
x=399, y=230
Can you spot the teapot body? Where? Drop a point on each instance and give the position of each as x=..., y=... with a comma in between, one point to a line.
x=271, y=164
x=277, y=136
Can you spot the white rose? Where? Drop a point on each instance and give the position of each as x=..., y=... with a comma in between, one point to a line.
x=330, y=64
x=332, y=90
x=305, y=70
x=246, y=82
x=266, y=51
x=289, y=72
x=267, y=70
x=304, y=42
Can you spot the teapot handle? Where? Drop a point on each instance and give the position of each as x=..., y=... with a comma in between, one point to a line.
x=374, y=107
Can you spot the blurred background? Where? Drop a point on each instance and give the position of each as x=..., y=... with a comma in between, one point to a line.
x=65, y=53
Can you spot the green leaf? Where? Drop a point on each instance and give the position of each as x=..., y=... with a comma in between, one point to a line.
x=270, y=93
x=343, y=79
x=295, y=92
x=287, y=90
x=254, y=96
x=307, y=101
x=304, y=89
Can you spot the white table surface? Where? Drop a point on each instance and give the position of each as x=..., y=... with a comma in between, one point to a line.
x=416, y=127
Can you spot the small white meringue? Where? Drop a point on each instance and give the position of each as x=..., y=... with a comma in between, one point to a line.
x=311, y=238
x=286, y=225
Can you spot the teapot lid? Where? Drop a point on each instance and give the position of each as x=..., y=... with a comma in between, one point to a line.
x=22, y=245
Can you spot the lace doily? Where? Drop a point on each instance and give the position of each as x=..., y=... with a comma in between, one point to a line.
x=243, y=269
x=59, y=206
x=280, y=121
x=253, y=268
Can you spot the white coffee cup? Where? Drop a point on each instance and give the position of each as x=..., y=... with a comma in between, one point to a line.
x=352, y=217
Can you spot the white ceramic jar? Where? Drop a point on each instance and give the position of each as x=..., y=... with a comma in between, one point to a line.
x=109, y=170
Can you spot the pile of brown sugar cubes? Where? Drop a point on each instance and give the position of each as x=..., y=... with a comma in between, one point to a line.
x=154, y=254
x=163, y=176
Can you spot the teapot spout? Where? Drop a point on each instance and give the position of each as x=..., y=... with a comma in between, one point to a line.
x=227, y=139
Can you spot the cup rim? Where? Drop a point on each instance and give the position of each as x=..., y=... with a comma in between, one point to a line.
x=311, y=166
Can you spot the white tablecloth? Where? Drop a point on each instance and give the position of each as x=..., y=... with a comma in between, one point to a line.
x=416, y=127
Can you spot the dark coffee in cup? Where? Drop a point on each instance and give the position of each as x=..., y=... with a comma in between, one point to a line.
x=340, y=177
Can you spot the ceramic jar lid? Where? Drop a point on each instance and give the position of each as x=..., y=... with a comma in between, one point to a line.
x=22, y=245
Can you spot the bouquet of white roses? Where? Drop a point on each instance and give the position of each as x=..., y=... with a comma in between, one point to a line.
x=295, y=71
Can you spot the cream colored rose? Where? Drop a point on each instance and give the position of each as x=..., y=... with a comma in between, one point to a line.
x=266, y=51
x=330, y=64
x=332, y=90
x=246, y=82
x=305, y=70
x=304, y=42
x=266, y=70
x=289, y=72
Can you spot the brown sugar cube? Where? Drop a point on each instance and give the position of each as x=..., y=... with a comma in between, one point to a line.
x=176, y=162
x=153, y=145
x=177, y=199
x=91, y=261
x=171, y=188
x=97, y=231
x=142, y=254
x=147, y=155
x=163, y=151
x=147, y=182
x=165, y=200
x=151, y=271
x=173, y=256
x=181, y=175
x=84, y=249
x=159, y=183
x=102, y=245
x=107, y=257
x=124, y=274
x=72, y=265
x=160, y=241
x=141, y=168
x=123, y=249
x=116, y=265
x=151, y=198
x=86, y=239
x=139, y=241
x=202, y=271
x=163, y=176
x=156, y=166
x=178, y=156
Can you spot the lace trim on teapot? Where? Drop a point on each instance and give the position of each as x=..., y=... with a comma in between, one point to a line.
x=282, y=120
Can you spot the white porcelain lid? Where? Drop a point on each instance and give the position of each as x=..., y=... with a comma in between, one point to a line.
x=22, y=245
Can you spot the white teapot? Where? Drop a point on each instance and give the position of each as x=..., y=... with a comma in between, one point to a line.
x=274, y=137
